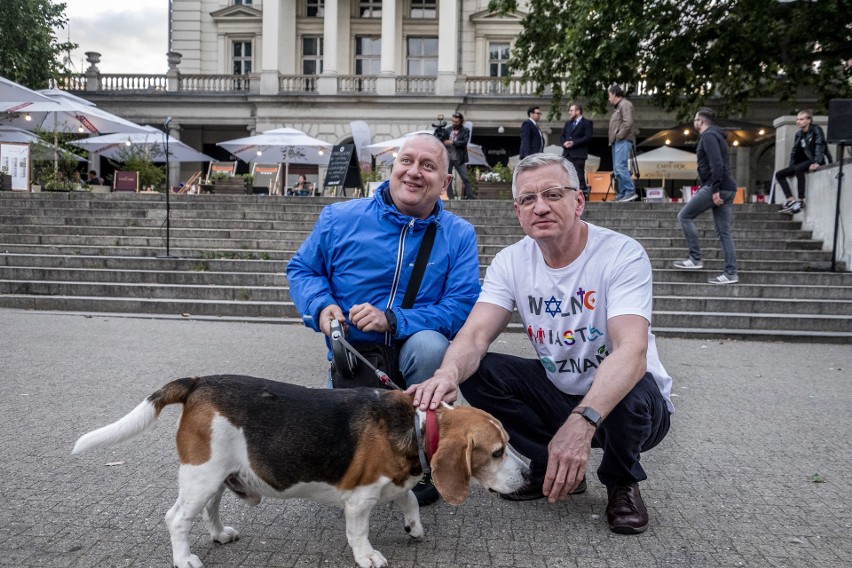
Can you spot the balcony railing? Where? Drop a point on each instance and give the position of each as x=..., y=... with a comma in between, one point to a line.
x=214, y=83
x=408, y=85
x=356, y=84
x=295, y=84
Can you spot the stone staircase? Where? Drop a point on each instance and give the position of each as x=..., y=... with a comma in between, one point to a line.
x=105, y=253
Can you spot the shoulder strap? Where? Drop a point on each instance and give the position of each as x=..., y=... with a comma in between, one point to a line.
x=419, y=266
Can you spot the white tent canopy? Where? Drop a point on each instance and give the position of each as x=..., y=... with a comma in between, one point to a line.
x=39, y=149
x=385, y=152
x=286, y=145
x=667, y=163
x=152, y=143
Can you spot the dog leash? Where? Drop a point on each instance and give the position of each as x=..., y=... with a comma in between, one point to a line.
x=337, y=335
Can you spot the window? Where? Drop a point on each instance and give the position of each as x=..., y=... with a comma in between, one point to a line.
x=242, y=57
x=311, y=55
x=244, y=2
x=425, y=9
x=422, y=59
x=498, y=59
x=315, y=8
x=368, y=55
x=370, y=8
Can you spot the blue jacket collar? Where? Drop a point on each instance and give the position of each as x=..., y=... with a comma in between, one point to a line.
x=387, y=207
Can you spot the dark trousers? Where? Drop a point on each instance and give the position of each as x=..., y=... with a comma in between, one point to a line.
x=462, y=170
x=519, y=394
x=580, y=166
x=798, y=169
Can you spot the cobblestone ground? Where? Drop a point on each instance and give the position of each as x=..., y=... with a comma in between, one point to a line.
x=752, y=472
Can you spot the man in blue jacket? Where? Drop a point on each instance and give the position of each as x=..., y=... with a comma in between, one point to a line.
x=355, y=265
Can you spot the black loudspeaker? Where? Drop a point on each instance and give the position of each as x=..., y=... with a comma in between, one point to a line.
x=840, y=121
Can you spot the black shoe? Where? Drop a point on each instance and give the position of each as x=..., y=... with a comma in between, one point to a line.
x=625, y=511
x=425, y=491
x=532, y=491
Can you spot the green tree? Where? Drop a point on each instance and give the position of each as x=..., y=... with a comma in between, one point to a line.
x=684, y=53
x=31, y=52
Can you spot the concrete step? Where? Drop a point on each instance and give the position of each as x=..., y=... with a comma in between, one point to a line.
x=752, y=321
x=739, y=304
x=757, y=277
x=746, y=289
x=147, y=277
x=178, y=292
x=241, y=310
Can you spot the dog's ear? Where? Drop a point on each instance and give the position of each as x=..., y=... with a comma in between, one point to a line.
x=451, y=468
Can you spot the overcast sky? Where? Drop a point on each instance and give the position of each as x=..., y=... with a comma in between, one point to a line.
x=131, y=35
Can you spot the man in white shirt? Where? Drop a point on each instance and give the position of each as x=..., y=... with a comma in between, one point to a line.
x=584, y=295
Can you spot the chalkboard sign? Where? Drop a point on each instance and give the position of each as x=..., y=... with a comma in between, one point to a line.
x=343, y=168
x=267, y=176
x=126, y=181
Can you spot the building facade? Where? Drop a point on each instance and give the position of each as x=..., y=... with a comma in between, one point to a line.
x=238, y=67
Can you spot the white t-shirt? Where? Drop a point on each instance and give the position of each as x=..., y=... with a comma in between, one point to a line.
x=565, y=310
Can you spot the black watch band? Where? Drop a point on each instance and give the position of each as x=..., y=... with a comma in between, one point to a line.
x=590, y=414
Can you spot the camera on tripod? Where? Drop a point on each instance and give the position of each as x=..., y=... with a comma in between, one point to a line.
x=440, y=128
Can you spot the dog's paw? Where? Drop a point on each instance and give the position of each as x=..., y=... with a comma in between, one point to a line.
x=228, y=534
x=191, y=561
x=414, y=529
x=372, y=559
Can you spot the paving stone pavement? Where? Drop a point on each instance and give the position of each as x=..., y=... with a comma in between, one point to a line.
x=752, y=473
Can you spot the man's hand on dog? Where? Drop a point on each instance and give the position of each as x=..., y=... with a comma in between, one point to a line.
x=429, y=394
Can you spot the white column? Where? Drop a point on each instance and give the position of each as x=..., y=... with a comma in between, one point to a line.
x=448, y=47
x=327, y=81
x=278, y=39
x=386, y=83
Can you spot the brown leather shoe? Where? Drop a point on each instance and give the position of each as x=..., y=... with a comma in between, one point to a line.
x=625, y=511
x=532, y=491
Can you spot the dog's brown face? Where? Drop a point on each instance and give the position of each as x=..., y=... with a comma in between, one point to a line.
x=474, y=445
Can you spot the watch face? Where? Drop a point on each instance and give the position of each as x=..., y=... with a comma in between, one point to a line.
x=591, y=415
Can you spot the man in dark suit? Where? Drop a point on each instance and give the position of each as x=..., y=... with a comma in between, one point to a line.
x=456, y=139
x=532, y=140
x=575, y=139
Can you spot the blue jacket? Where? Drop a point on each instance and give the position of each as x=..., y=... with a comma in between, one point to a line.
x=363, y=250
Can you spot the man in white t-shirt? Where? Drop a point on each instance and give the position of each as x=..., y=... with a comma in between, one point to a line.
x=584, y=295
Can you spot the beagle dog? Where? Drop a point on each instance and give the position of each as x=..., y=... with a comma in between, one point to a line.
x=351, y=447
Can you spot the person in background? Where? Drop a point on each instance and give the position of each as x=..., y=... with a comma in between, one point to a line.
x=456, y=139
x=584, y=295
x=301, y=187
x=622, y=136
x=532, y=140
x=809, y=152
x=94, y=179
x=576, y=136
x=355, y=265
x=717, y=192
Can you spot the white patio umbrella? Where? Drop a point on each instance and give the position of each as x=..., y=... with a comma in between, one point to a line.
x=280, y=145
x=152, y=142
x=385, y=152
x=39, y=149
x=667, y=163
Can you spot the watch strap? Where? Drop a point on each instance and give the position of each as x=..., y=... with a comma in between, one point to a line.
x=590, y=414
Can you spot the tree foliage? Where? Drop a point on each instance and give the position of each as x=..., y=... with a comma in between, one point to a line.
x=30, y=52
x=685, y=53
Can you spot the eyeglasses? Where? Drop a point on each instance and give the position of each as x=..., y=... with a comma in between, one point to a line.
x=549, y=195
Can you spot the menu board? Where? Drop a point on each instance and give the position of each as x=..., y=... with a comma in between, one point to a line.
x=343, y=168
x=15, y=162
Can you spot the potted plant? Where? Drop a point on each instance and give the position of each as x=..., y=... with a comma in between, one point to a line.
x=496, y=184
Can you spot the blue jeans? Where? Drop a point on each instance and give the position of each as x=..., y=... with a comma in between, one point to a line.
x=701, y=202
x=518, y=392
x=420, y=356
x=620, y=156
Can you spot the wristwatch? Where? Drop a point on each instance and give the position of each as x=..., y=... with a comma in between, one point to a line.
x=590, y=414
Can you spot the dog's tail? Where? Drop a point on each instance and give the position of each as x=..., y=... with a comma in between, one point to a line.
x=140, y=418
